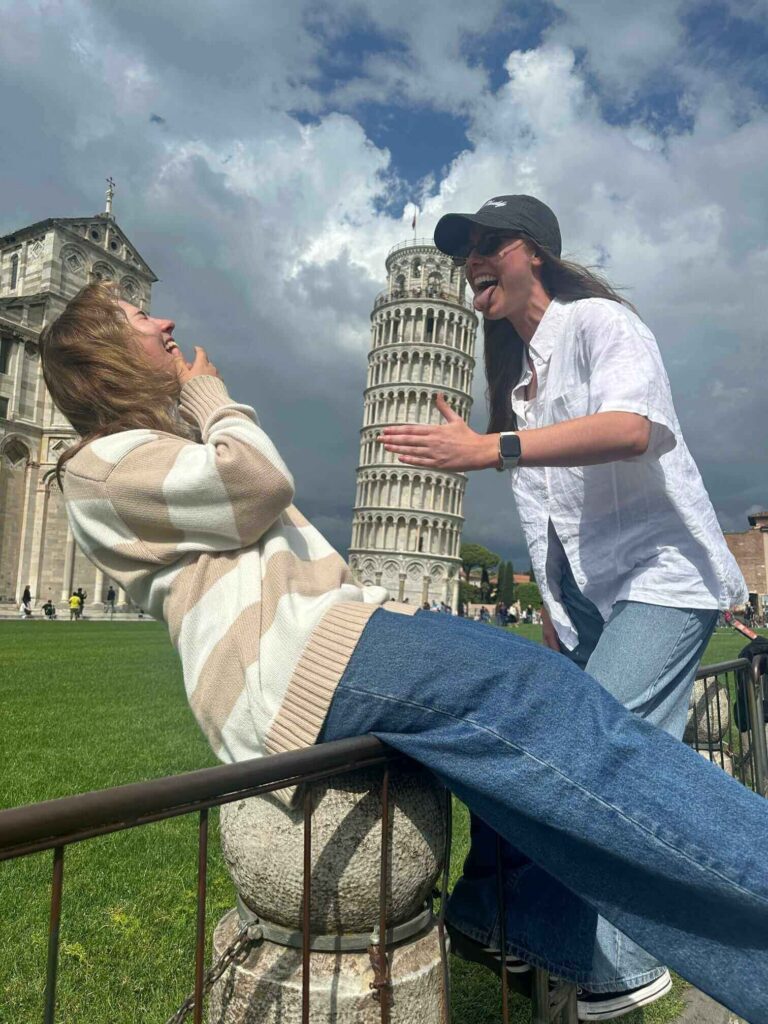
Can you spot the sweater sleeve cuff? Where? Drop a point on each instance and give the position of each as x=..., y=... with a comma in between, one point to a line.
x=203, y=395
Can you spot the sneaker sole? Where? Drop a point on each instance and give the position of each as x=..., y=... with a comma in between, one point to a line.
x=621, y=1005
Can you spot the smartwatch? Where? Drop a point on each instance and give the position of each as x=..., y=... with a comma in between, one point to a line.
x=509, y=451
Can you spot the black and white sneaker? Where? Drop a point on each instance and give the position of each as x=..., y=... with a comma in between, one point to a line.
x=609, y=1005
x=518, y=971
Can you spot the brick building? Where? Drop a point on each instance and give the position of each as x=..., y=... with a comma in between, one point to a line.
x=750, y=549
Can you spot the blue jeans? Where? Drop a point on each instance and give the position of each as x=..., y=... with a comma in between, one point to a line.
x=646, y=656
x=617, y=817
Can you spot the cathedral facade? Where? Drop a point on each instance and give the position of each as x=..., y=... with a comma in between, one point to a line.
x=41, y=268
x=406, y=528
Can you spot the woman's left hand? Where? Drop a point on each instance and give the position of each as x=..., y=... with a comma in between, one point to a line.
x=451, y=445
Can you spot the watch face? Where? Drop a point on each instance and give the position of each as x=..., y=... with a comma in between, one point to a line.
x=509, y=446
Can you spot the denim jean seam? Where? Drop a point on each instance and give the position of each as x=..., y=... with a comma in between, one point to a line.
x=631, y=981
x=654, y=685
x=635, y=824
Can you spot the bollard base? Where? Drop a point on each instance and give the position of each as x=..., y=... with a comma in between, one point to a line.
x=266, y=987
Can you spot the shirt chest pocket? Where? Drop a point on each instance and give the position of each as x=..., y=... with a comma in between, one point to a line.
x=570, y=405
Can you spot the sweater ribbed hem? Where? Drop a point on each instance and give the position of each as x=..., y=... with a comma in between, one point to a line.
x=202, y=396
x=315, y=678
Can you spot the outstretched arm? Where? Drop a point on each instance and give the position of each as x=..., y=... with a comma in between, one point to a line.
x=453, y=445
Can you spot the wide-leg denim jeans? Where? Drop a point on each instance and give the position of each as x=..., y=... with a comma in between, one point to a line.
x=646, y=656
x=618, y=818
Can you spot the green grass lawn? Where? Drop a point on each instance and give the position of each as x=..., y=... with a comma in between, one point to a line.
x=97, y=704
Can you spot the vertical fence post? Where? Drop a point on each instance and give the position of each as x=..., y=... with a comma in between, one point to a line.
x=384, y=990
x=305, y=937
x=202, y=875
x=502, y=905
x=444, y=901
x=53, y=935
x=754, y=684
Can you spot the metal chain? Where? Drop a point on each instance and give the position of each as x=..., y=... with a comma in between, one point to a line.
x=247, y=935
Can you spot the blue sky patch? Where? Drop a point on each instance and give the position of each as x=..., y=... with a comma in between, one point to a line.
x=421, y=141
x=720, y=40
x=521, y=30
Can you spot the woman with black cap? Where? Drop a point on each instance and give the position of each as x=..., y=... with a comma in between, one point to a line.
x=624, y=541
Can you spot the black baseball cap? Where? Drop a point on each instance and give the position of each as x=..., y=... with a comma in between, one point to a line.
x=525, y=214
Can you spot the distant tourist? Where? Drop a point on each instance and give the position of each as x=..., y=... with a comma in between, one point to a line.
x=49, y=609
x=75, y=606
x=25, y=608
x=82, y=594
x=109, y=604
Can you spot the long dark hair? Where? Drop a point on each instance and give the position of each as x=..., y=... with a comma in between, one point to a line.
x=504, y=349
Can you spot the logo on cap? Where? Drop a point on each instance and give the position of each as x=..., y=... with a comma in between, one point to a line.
x=496, y=202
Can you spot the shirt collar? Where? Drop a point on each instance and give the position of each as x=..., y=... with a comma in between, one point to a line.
x=543, y=340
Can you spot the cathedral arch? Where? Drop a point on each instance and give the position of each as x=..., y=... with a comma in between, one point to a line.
x=101, y=271
x=130, y=290
x=14, y=451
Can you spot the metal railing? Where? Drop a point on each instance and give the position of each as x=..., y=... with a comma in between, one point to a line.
x=721, y=731
x=725, y=722
x=411, y=243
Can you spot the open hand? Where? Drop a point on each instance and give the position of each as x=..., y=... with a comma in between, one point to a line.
x=201, y=366
x=451, y=445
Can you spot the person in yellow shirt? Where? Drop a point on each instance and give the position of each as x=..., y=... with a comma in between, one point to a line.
x=75, y=607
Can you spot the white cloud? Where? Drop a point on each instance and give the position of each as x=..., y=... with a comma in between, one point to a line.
x=268, y=232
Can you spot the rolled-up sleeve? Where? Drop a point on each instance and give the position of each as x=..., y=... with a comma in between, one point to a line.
x=625, y=371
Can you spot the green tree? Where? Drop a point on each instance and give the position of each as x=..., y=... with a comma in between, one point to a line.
x=506, y=589
x=528, y=593
x=474, y=556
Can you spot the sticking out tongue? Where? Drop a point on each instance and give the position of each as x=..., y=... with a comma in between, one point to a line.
x=483, y=299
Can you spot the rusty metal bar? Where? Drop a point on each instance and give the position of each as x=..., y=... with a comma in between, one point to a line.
x=444, y=902
x=386, y=981
x=306, y=909
x=57, y=884
x=202, y=878
x=50, y=823
x=502, y=910
x=754, y=685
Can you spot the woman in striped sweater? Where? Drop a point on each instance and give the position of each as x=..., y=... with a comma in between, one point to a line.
x=176, y=492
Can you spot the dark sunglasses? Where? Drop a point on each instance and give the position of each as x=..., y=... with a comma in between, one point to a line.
x=486, y=245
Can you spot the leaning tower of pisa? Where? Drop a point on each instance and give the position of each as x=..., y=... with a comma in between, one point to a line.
x=406, y=529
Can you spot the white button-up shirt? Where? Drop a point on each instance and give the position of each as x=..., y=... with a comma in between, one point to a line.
x=638, y=529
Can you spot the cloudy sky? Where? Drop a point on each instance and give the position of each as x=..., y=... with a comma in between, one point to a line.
x=267, y=156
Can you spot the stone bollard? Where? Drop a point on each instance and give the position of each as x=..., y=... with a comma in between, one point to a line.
x=263, y=844
x=709, y=714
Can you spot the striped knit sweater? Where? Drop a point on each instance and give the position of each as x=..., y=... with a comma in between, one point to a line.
x=263, y=611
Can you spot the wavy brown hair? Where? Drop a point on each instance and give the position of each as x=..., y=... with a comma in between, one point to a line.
x=504, y=349
x=99, y=376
